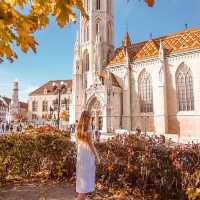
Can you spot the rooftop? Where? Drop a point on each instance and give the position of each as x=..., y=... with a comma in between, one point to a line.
x=47, y=88
x=173, y=43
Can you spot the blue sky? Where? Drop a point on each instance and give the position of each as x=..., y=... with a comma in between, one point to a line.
x=54, y=56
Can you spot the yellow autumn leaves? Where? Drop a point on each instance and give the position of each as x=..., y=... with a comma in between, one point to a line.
x=16, y=27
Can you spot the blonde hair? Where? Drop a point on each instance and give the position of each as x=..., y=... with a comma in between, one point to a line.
x=82, y=128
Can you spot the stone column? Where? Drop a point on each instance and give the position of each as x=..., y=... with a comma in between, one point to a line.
x=160, y=98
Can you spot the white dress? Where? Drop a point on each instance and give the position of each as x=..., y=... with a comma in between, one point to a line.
x=85, y=169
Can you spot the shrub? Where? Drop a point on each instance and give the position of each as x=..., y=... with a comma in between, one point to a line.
x=27, y=155
x=130, y=164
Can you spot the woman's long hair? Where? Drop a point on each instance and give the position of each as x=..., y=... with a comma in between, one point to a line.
x=82, y=128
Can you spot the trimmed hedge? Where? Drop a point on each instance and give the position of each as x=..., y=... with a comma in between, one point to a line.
x=30, y=155
x=130, y=164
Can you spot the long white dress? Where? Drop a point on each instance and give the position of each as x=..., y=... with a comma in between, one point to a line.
x=85, y=168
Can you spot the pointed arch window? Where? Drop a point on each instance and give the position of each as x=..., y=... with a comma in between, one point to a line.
x=184, y=87
x=77, y=66
x=86, y=33
x=87, y=4
x=98, y=4
x=145, y=92
x=97, y=27
x=86, y=60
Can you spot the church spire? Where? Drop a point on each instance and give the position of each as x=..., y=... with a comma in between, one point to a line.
x=127, y=40
x=77, y=43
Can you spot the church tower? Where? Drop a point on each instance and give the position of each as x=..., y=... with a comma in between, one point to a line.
x=93, y=48
x=14, y=106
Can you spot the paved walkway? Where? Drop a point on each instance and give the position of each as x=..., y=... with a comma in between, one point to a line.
x=38, y=192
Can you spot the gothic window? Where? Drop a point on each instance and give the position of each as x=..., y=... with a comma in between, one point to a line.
x=98, y=4
x=184, y=87
x=97, y=27
x=34, y=106
x=145, y=92
x=77, y=66
x=86, y=33
x=45, y=106
x=100, y=123
x=86, y=61
x=87, y=3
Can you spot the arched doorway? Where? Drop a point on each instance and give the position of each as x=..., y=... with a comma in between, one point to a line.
x=95, y=109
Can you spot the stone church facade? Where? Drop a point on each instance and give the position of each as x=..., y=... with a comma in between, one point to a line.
x=154, y=85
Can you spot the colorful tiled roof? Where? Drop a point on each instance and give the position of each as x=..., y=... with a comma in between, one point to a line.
x=174, y=43
x=48, y=87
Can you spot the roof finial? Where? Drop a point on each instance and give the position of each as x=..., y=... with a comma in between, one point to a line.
x=127, y=40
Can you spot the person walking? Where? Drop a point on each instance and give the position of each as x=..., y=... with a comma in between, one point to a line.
x=86, y=157
x=3, y=128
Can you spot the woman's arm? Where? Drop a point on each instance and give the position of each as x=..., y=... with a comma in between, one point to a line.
x=93, y=149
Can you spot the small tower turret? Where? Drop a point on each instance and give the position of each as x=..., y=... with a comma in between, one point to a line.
x=127, y=41
x=14, y=106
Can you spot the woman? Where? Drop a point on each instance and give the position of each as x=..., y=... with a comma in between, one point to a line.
x=86, y=153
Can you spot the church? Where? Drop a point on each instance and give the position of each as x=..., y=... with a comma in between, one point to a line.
x=152, y=85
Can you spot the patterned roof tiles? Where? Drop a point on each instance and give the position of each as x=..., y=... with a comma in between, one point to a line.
x=174, y=43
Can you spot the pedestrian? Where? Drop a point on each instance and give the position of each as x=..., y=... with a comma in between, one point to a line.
x=138, y=131
x=20, y=127
x=86, y=156
x=3, y=128
x=11, y=127
x=7, y=127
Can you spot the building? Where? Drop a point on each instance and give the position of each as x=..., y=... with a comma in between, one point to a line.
x=4, y=110
x=11, y=109
x=154, y=85
x=6, y=113
x=43, y=102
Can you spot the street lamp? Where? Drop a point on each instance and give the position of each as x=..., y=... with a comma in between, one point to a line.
x=59, y=88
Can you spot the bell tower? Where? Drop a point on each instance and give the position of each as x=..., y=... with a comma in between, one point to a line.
x=96, y=37
x=93, y=48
